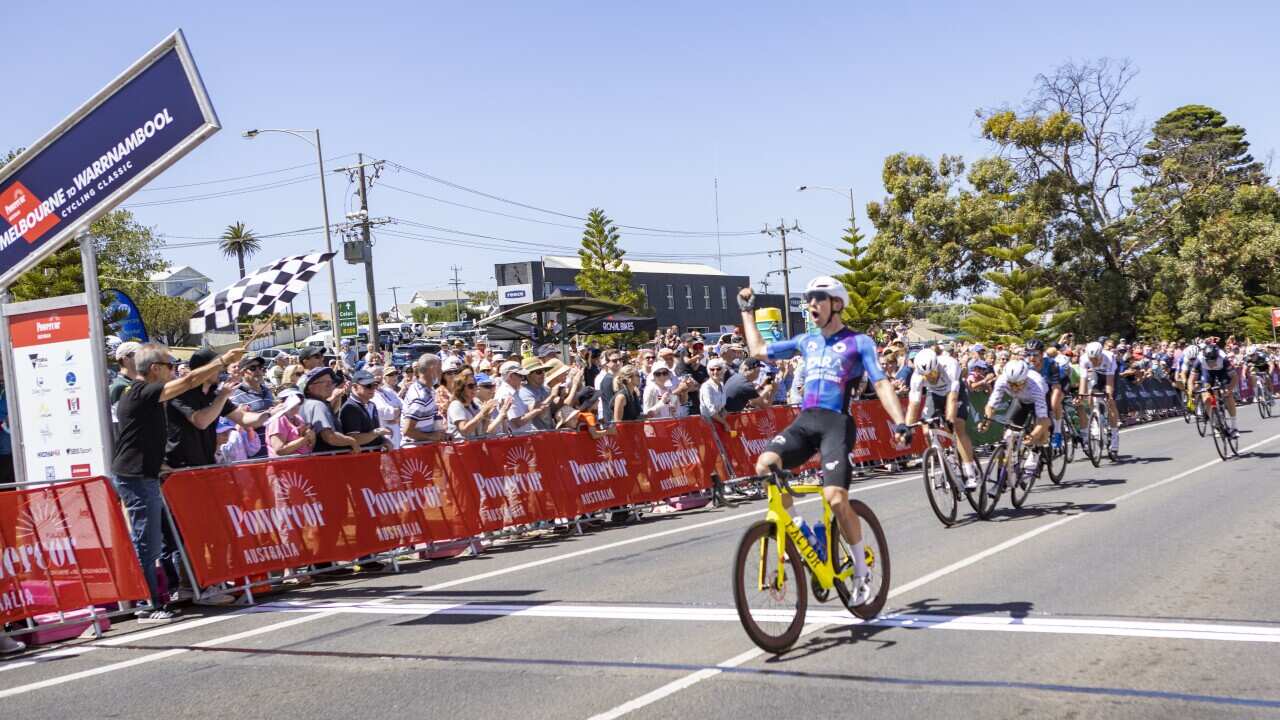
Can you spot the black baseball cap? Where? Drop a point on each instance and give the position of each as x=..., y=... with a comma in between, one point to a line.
x=751, y=363
x=310, y=351
x=202, y=357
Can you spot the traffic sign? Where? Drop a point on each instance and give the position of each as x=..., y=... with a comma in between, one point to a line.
x=1275, y=317
x=347, y=323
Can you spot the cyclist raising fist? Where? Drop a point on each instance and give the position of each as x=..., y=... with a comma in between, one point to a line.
x=834, y=359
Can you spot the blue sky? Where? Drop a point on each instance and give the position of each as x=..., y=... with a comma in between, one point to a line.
x=632, y=107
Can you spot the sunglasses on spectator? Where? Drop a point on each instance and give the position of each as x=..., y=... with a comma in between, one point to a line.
x=816, y=295
x=661, y=372
x=470, y=386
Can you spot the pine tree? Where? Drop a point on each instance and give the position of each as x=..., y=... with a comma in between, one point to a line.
x=1255, y=323
x=872, y=298
x=1158, y=323
x=1024, y=307
x=604, y=274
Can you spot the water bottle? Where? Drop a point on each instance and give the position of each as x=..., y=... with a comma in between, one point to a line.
x=805, y=530
x=820, y=532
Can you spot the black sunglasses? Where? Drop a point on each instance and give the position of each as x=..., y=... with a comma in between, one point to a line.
x=818, y=295
x=469, y=386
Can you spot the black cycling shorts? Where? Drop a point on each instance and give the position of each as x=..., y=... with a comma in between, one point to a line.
x=1221, y=376
x=1020, y=413
x=936, y=404
x=827, y=432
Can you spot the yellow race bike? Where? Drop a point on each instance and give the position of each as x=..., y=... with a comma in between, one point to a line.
x=769, y=585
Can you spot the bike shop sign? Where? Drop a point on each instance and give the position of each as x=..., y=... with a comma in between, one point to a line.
x=139, y=124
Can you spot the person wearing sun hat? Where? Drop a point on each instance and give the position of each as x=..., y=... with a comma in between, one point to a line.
x=535, y=393
x=515, y=415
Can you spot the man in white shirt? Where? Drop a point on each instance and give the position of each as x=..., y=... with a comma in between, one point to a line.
x=389, y=406
x=517, y=415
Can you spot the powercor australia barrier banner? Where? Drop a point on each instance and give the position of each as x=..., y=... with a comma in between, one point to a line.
x=64, y=547
x=142, y=122
x=244, y=520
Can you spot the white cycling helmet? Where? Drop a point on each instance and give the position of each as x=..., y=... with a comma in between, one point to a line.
x=1191, y=353
x=926, y=361
x=1016, y=371
x=1093, y=350
x=830, y=286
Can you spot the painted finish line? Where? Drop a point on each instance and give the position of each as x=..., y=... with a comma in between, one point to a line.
x=976, y=623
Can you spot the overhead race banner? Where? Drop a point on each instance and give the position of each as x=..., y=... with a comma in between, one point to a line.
x=138, y=125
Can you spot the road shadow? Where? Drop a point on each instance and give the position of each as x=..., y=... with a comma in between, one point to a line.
x=1072, y=484
x=467, y=614
x=1135, y=460
x=1009, y=513
x=871, y=631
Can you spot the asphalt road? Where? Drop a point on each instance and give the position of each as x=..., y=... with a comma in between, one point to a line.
x=1144, y=588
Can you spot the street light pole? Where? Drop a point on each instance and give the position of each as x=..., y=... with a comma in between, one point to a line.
x=328, y=237
x=839, y=191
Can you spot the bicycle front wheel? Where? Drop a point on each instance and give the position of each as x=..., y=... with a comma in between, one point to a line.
x=876, y=552
x=1220, y=433
x=771, y=602
x=994, y=481
x=1202, y=419
x=942, y=495
x=1058, y=461
x=1021, y=483
x=1097, y=443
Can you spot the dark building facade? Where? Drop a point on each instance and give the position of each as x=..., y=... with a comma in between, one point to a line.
x=688, y=295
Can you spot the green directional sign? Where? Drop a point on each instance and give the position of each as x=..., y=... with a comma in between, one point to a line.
x=347, y=324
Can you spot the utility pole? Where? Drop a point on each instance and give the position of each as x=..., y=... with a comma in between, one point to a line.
x=395, y=301
x=781, y=231
x=457, y=296
x=361, y=250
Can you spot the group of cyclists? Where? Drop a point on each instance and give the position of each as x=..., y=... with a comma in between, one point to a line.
x=1034, y=386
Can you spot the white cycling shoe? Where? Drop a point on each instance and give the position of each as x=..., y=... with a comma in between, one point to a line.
x=861, y=590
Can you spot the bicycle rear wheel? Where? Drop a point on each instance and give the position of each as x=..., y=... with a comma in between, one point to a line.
x=876, y=552
x=1096, y=441
x=942, y=494
x=771, y=612
x=994, y=481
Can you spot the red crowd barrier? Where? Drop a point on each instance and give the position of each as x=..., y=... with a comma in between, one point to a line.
x=65, y=547
x=249, y=519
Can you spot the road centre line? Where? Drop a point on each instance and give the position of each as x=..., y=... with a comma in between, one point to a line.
x=679, y=684
x=683, y=613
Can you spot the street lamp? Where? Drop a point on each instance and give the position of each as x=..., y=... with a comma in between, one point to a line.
x=328, y=241
x=838, y=191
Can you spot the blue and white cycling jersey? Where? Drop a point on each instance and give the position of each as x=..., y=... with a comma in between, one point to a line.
x=832, y=365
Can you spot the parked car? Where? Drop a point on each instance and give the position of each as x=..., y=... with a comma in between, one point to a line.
x=409, y=352
x=269, y=354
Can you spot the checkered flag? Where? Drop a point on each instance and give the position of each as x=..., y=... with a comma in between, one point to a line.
x=268, y=289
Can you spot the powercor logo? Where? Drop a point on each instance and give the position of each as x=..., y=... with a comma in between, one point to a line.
x=295, y=508
x=521, y=475
x=612, y=465
x=27, y=217
x=411, y=489
x=44, y=541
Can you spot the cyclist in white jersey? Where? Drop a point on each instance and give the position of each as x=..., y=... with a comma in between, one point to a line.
x=1026, y=391
x=938, y=381
x=1098, y=370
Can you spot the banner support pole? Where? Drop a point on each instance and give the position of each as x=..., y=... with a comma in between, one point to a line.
x=98, y=342
x=13, y=426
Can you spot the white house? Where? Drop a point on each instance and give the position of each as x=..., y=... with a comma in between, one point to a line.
x=183, y=281
x=438, y=298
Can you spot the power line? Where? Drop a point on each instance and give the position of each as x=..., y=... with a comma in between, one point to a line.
x=498, y=198
x=225, y=193
x=238, y=177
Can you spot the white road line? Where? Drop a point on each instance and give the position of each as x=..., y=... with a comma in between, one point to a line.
x=677, y=685
x=153, y=657
x=621, y=543
x=682, y=613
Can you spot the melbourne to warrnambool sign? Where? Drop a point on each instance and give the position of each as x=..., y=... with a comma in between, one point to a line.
x=141, y=123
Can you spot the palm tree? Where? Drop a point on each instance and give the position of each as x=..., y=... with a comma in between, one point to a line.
x=239, y=241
